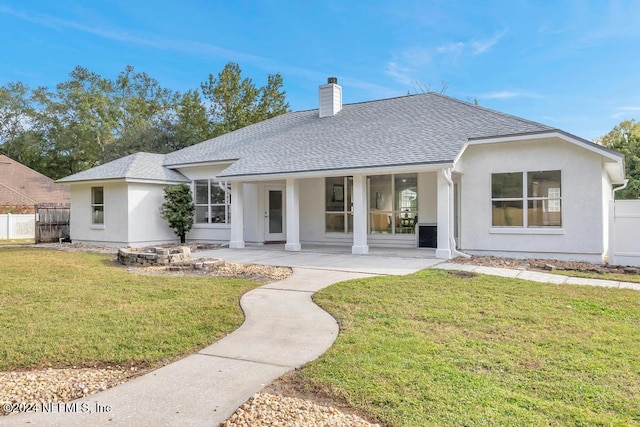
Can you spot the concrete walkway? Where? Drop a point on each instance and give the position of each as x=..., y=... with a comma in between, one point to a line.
x=537, y=276
x=283, y=330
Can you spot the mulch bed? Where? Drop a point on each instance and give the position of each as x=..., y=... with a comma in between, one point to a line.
x=546, y=265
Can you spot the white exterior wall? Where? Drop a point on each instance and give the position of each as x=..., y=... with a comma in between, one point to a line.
x=146, y=225
x=114, y=231
x=253, y=214
x=581, y=236
x=428, y=197
x=607, y=199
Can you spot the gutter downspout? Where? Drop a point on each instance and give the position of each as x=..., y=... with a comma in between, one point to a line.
x=452, y=241
x=622, y=187
x=611, y=256
x=222, y=185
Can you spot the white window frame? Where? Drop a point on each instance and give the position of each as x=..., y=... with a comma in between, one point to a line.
x=227, y=202
x=395, y=210
x=553, y=202
x=346, y=210
x=95, y=205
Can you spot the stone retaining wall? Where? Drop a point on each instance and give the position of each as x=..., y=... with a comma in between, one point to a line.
x=142, y=257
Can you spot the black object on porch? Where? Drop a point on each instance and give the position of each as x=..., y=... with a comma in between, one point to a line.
x=427, y=236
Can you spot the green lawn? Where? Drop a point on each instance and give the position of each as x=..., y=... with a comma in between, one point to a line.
x=634, y=278
x=16, y=241
x=436, y=349
x=60, y=309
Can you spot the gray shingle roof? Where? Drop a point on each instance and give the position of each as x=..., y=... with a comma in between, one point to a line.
x=414, y=129
x=145, y=166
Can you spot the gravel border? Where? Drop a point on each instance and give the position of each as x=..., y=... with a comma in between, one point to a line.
x=60, y=385
x=265, y=409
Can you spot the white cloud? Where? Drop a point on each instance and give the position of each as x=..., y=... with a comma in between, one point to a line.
x=508, y=94
x=190, y=47
x=408, y=64
x=453, y=48
x=400, y=74
x=626, y=112
x=483, y=46
x=412, y=62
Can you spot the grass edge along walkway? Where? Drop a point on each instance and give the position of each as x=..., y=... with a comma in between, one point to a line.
x=435, y=348
x=79, y=309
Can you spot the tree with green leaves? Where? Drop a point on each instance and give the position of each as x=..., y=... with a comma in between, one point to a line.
x=625, y=138
x=192, y=123
x=89, y=120
x=237, y=102
x=178, y=209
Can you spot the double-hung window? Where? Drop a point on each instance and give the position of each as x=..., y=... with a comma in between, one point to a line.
x=213, y=203
x=97, y=205
x=526, y=199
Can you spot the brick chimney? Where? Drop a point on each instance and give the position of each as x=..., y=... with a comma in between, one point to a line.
x=330, y=98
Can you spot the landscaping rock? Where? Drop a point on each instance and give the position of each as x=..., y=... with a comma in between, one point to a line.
x=265, y=409
x=59, y=385
x=153, y=255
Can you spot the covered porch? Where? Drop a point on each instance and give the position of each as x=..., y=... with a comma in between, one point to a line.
x=357, y=213
x=385, y=261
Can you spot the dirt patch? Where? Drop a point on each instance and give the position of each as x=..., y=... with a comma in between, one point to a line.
x=462, y=274
x=259, y=272
x=546, y=265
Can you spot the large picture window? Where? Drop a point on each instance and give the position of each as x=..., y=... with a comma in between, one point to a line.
x=339, y=204
x=531, y=199
x=97, y=205
x=393, y=203
x=213, y=204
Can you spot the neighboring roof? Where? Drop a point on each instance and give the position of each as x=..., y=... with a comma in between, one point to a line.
x=21, y=185
x=142, y=166
x=413, y=129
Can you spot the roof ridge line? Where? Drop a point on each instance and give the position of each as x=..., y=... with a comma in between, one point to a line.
x=490, y=110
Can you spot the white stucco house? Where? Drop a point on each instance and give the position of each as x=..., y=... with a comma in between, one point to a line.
x=422, y=170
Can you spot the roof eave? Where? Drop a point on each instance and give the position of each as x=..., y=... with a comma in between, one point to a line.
x=363, y=170
x=555, y=133
x=197, y=164
x=127, y=180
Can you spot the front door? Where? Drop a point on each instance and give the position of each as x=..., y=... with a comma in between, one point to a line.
x=274, y=214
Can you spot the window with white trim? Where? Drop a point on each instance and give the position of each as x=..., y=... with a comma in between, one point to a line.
x=393, y=203
x=338, y=214
x=97, y=205
x=213, y=203
x=532, y=202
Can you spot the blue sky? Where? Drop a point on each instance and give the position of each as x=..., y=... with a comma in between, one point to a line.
x=574, y=65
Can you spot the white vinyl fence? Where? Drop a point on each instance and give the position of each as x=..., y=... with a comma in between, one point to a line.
x=17, y=226
x=624, y=232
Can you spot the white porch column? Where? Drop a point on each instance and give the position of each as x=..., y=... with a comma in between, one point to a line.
x=293, y=216
x=237, y=215
x=360, y=215
x=444, y=215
